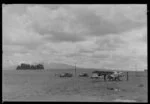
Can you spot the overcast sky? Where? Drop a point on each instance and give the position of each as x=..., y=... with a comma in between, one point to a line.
x=98, y=36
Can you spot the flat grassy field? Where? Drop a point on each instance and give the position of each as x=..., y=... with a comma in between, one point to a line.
x=43, y=85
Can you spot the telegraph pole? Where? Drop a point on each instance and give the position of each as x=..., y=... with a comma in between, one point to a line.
x=136, y=69
x=127, y=76
x=135, y=57
x=75, y=69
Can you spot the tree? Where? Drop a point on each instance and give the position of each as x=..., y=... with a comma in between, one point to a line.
x=24, y=66
x=41, y=66
x=18, y=67
x=32, y=67
x=38, y=66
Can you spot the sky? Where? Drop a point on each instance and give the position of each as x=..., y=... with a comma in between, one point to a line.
x=93, y=36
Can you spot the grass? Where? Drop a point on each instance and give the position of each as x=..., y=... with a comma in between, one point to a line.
x=43, y=85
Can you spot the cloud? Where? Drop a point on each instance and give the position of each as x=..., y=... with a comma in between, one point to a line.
x=106, y=19
x=10, y=49
x=64, y=37
x=18, y=33
x=57, y=25
x=93, y=35
x=73, y=23
x=76, y=22
x=119, y=51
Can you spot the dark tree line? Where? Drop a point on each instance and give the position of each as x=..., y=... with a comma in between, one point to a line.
x=24, y=66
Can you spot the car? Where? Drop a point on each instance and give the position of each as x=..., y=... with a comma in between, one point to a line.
x=66, y=75
x=83, y=75
x=95, y=76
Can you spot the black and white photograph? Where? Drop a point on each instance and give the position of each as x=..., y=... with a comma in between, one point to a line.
x=74, y=52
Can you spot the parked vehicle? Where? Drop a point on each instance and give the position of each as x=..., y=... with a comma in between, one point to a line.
x=66, y=75
x=115, y=76
x=83, y=75
x=96, y=76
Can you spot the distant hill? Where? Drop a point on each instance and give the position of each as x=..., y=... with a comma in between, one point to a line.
x=66, y=66
x=58, y=66
x=46, y=66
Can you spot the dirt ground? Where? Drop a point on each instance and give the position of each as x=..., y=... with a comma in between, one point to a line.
x=44, y=86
